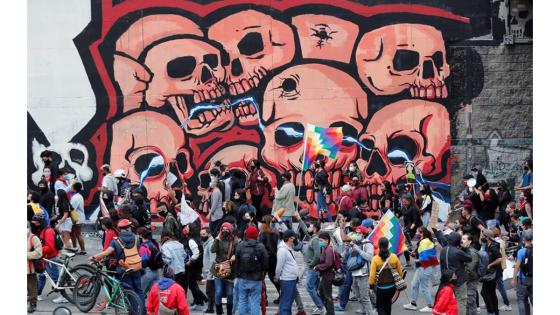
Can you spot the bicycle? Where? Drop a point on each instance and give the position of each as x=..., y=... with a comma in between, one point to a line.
x=67, y=278
x=119, y=295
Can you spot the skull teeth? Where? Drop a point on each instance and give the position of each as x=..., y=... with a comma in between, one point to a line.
x=429, y=92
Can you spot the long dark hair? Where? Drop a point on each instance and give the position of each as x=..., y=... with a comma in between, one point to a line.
x=426, y=233
x=445, y=280
x=383, y=245
x=63, y=203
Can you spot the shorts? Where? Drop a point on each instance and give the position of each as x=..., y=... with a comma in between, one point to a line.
x=66, y=226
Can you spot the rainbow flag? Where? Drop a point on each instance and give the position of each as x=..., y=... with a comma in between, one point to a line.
x=320, y=141
x=390, y=228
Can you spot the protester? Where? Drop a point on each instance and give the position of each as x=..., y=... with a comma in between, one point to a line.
x=270, y=238
x=320, y=185
x=193, y=266
x=381, y=278
x=359, y=192
x=284, y=198
x=34, y=252
x=473, y=225
x=47, y=158
x=173, y=254
x=77, y=203
x=523, y=274
x=216, y=213
x=426, y=264
x=411, y=220
x=208, y=258
x=362, y=253
x=256, y=186
x=151, y=273
x=166, y=296
x=353, y=171
x=224, y=247
x=250, y=263
x=504, y=198
x=489, y=208
x=63, y=209
x=287, y=272
x=124, y=187
x=446, y=303
x=170, y=223
x=326, y=268
x=453, y=258
x=426, y=204
x=345, y=202
x=108, y=183
x=46, y=197
x=527, y=177
x=488, y=291
x=499, y=275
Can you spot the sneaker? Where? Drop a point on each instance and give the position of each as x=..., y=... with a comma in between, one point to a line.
x=339, y=308
x=39, y=297
x=478, y=310
x=31, y=308
x=410, y=307
x=318, y=311
x=353, y=299
x=277, y=301
x=426, y=309
x=60, y=299
x=209, y=311
x=505, y=308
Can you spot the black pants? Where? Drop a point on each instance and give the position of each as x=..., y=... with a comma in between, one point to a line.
x=383, y=300
x=490, y=297
x=325, y=292
x=272, y=273
x=256, y=202
x=189, y=280
x=210, y=293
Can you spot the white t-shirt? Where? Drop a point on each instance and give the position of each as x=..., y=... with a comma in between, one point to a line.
x=77, y=202
x=110, y=183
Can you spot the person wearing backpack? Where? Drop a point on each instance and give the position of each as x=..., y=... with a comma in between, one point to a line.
x=427, y=263
x=166, y=297
x=34, y=252
x=523, y=274
x=312, y=254
x=287, y=272
x=126, y=247
x=50, y=248
x=151, y=265
x=472, y=269
x=329, y=261
x=454, y=258
x=250, y=264
x=381, y=279
x=488, y=290
x=358, y=258
x=193, y=266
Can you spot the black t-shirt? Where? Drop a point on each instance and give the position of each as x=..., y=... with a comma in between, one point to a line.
x=488, y=211
x=47, y=201
x=494, y=253
x=354, y=212
x=410, y=216
x=471, y=227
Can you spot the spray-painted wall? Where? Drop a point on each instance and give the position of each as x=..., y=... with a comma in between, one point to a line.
x=193, y=82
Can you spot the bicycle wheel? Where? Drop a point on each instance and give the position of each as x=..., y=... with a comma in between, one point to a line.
x=67, y=281
x=85, y=292
x=129, y=303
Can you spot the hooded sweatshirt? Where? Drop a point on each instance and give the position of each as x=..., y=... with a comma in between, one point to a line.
x=286, y=265
x=453, y=258
x=171, y=294
x=127, y=238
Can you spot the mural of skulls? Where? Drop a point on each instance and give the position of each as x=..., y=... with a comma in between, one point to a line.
x=408, y=131
x=137, y=140
x=188, y=71
x=256, y=43
x=397, y=57
x=325, y=37
x=316, y=94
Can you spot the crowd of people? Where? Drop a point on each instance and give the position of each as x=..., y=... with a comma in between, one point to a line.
x=244, y=242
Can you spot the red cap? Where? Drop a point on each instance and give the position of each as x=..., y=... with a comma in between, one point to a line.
x=361, y=229
x=467, y=204
x=186, y=231
x=251, y=233
x=123, y=223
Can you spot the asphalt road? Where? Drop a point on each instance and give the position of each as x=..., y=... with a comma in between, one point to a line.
x=93, y=245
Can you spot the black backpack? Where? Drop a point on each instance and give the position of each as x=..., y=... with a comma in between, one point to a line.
x=526, y=265
x=58, y=243
x=249, y=259
x=156, y=258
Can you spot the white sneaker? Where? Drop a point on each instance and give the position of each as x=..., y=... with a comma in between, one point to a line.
x=410, y=307
x=478, y=310
x=60, y=299
x=39, y=297
x=317, y=311
x=483, y=306
x=505, y=308
x=426, y=309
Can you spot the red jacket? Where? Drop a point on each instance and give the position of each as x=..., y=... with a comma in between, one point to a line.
x=171, y=295
x=360, y=192
x=445, y=302
x=109, y=235
x=256, y=186
x=346, y=203
x=49, y=249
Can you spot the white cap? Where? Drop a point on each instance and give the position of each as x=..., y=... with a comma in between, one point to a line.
x=120, y=173
x=346, y=188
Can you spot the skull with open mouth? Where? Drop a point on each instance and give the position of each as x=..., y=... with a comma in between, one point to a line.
x=408, y=131
x=398, y=57
x=317, y=94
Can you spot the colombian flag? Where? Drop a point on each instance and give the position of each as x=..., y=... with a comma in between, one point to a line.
x=427, y=253
x=320, y=141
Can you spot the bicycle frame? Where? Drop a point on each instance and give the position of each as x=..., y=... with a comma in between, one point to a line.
x=64, y=270
x=117, y=290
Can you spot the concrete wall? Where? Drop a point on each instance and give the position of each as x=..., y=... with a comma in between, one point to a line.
x=99, y=86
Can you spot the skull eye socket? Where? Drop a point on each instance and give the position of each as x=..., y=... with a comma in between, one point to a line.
x=438, y=59
x=77, y=156
x=366, y=154
x=142, y=163
x=211, y=60
x=289, y=87
x=401, y=149
x=182, y=162
x=289, y=134
x=251, y=44
x=405, y=60
x=181, y=67
x=350, y=134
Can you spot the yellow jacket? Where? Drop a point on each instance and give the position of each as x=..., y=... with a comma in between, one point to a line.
x=377, y=263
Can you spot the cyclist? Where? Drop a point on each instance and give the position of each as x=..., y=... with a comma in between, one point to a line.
x=131, y=279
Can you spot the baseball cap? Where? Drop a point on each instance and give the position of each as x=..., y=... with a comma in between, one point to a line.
x=361, y=229
x=367, y=223
x=346, y=188
x=123, y=223
x=526, y=220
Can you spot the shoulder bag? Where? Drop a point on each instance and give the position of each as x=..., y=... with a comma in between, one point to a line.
x=222, y=269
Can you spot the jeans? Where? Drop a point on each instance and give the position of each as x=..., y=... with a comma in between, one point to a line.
x=288, y=221
x=488, y=293
x=312, y=286
x=501, y=288
x=360, y=287
x=287, y=296
x=221, y=285
x=322, y=205
x=471, y=297
x=53, y=271
x=421, y=281
x=133, y=281
x=345, y=291
x=249, y=295
x=148, y=280
x=524, y=292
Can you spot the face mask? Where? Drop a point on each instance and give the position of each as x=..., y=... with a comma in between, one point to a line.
x=352, y=168
x=69, y=177
x=358, y=238
x=204, y=238
x=321, y=244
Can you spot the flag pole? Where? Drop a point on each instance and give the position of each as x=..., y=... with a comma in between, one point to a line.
x=302, y=165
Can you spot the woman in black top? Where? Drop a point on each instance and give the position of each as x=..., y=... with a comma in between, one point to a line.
x=504, y=198
x=412, y=221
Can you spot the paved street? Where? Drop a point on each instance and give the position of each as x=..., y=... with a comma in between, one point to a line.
x=93, y=245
